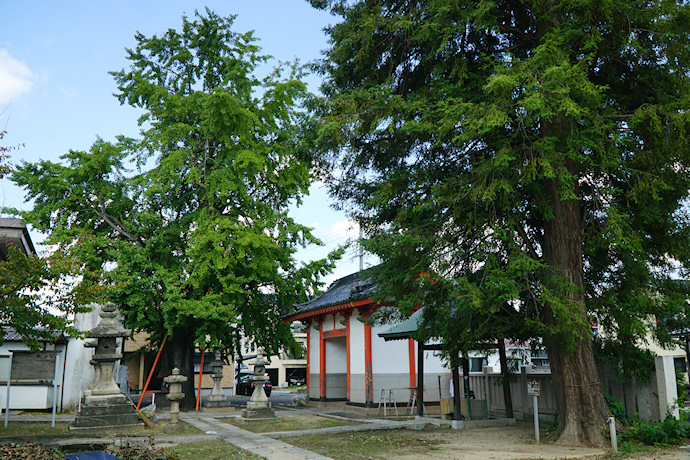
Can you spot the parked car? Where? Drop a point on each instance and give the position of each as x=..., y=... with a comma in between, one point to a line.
x=245, y=386
x=296, y=381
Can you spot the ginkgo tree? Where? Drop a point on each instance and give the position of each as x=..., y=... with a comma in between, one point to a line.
x=188, y=225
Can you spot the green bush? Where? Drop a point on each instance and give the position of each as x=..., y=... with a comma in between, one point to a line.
x=617, y=409
x=670, y=431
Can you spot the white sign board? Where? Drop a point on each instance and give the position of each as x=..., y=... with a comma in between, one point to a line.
x=532, y=388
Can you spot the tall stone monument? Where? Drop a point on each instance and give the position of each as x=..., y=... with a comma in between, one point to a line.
x=103, y=404
x=258, y=407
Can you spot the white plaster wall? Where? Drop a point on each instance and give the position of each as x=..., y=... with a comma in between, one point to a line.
x=434, y=364
x=314, y=354
x=28, y=397
x=356, y=346
x=328, y=323
x=336, y=358
x=388, y=357
x=340, y=321
x=78, y=372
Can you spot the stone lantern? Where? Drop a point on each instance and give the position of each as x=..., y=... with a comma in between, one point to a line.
x=104, y=404
x=175, y=395
x=217, y=397
x=258, y=406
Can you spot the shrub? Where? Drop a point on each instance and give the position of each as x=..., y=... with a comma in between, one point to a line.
x=617, y=409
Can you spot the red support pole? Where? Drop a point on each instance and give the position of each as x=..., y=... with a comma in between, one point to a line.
x=347, y=351
x=322, y=363
x=368, y=366
x=153, y=368
x=411, y=351
x=201, y=374
x=308, y=359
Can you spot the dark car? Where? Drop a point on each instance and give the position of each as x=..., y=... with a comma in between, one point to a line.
x=245, y=386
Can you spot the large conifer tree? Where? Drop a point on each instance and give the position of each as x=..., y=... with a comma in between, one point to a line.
x=523, y=153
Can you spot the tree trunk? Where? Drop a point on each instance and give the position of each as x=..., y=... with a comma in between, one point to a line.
x=179, y=352
x=506, y=377
x=457, y=406
x=582, y=409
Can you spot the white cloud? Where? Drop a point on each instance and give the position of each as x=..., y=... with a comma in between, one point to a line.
x=15, y=77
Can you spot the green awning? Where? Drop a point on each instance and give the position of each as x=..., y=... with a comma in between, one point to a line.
x=404, y=329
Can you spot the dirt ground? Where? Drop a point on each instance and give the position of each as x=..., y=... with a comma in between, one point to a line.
x=517, y=442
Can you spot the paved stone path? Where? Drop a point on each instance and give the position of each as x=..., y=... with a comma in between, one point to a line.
x=258, y=444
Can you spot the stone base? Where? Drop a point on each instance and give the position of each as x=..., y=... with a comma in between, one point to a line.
x=216, y=404
x=257, y=415
x=106, y=412
x=258, y=405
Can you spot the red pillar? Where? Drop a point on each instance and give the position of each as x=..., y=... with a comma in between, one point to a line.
x=347, y=349
x=322, y=362
x=411, y=357
x=308, y=351
x=368, y=372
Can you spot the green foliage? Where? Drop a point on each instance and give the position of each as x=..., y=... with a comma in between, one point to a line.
x=670, y=431
x=616, y=408
x=681, y=388
x=38, y=297
x=187, y=227
x=625, y=360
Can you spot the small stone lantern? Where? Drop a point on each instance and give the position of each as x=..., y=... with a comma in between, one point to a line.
x=175, y=381
x=217, y=397
x=258, y=406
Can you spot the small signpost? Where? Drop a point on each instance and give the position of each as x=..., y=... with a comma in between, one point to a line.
x=29, y=366
x=533, y=390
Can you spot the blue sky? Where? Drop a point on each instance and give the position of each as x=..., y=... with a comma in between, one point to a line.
x=56, y=94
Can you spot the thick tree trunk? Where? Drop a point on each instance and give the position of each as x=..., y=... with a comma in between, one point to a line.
x=506, y=377
x=582, y=409
x=179, y=352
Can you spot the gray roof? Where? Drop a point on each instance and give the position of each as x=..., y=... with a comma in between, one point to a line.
x=344, y=290
x=14, y=232
x=10, y=335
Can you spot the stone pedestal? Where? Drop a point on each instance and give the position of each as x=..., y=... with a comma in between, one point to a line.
x=104, y=412
x=103, y=404
x=259, y=407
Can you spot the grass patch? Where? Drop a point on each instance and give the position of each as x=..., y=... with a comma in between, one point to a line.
x=36, y=431
x=292, y=423
x=211, y=450
x=367, y=444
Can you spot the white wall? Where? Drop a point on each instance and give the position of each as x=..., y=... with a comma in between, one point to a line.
x=314, y=356
x=78, y=372
x=356, y=344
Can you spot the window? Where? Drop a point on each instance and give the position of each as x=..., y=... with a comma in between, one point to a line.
x=476, y=364
x=681, y=364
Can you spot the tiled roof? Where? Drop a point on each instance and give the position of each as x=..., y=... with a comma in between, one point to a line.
x=10, y=335
x=342, y=291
